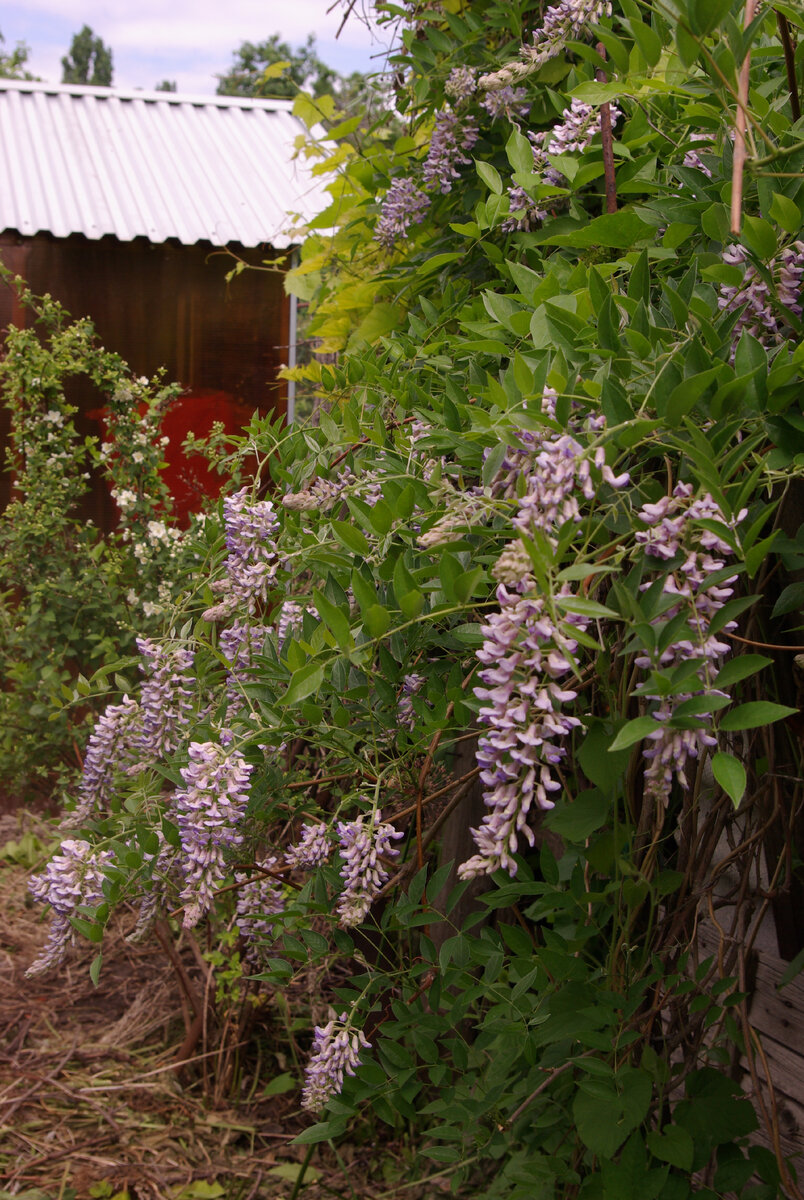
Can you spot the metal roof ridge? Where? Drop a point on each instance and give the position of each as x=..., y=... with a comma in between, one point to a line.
x=176, y=98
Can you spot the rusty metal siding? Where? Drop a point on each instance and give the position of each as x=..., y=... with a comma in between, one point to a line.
x=95, y=161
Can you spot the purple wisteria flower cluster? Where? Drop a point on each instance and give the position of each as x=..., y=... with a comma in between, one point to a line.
x=72, y=878
x=239, y=644
x=364, y=842
x=405, y=205
x=321, y=494
x=290, y=619
x=760, y=307
x=109, y=749
x=525, y=655
x=461, y=84
x=675, y=532
x=506, y=102
x=336, y=1052
x=579, y=126
x=252, y=562
x=569, y=20
x=527, y=652
x=453, y=137
x=411, y=684
x=560, y=471
x=166, y=696
x=312, y=849
x=258, y=899
x=209, y=809
x=556, y=468
x=693, y=159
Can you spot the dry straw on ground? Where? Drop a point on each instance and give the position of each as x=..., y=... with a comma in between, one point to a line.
x=92, y=1102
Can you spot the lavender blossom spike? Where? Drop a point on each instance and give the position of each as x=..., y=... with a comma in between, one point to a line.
x=405, y=205
x=71, y=878
x=566, y=21
x=109, y=749
x=165, y=697
x=257, y=900
x=336, y=1052
x=312, y=849
x=209, y=810
x=452, y=139
x=362, y=847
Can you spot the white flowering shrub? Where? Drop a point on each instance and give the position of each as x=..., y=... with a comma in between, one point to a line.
x=487, y=667
x=73, y=597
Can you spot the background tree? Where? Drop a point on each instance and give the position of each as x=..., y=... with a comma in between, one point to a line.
x=272, y=68
x=166, y=85
x=12, y=66
x=89, y=60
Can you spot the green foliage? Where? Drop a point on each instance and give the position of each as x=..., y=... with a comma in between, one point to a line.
x=273, y=68
x=71, y=597
x=12, y=66
x=89, y=60
x=546, y=1024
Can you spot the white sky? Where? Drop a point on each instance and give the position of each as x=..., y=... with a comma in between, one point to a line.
x=189, y=41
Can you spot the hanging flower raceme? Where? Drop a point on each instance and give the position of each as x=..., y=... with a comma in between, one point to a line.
x=453, y=137
x=461, y=84
x=569, y=20
x=323, y=494
x=405, y=205
x=525, y=654
x=239, y=644
x=411, y=684
x=693, y=159
x=252, y=562
x=576, y=131
x=109, y=749
x=760, y=304
x=72, y=878
x=208, y=811
x=258, y=899
x=312, y=849
x=561, y=469
x=364, y=843
x=506, y=102
x=675, y=534
x=166, y=696
x=336, y=1052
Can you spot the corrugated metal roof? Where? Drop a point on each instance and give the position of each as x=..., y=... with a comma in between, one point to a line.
x=158, y=165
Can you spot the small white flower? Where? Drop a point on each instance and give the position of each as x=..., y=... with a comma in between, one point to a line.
x=157, y=532
x=125, y=498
